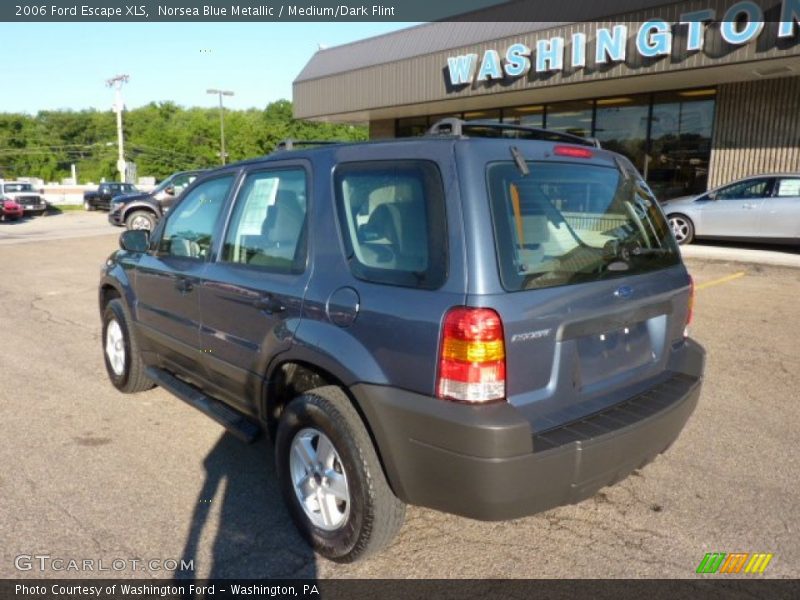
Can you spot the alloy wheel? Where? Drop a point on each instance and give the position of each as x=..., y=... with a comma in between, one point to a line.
x=319, y=479
x=680, y=228
x=115, y=347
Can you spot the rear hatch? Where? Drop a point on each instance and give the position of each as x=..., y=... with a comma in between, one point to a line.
x=581, y=266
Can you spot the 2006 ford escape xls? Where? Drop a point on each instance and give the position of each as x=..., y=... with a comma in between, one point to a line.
x=488, y=320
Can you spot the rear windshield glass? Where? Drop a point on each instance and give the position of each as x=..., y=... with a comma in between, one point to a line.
x=563, y=224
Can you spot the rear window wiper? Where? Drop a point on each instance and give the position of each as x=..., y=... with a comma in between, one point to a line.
x=520, y=161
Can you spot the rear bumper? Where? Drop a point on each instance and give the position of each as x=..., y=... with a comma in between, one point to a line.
x=484, y=462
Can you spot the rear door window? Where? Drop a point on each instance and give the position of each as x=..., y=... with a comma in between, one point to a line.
x=393, y=221
x=788, y=188
x=562, y=224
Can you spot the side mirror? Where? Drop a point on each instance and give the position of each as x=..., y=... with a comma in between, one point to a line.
x=135, y=240
x=170, y=190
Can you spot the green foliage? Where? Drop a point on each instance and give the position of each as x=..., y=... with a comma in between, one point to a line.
x=160, y=138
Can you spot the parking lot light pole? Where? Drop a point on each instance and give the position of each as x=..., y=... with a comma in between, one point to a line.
x=221, y=93
x=119, y=105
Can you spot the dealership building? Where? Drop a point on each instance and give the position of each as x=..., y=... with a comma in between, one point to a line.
x=696, y=94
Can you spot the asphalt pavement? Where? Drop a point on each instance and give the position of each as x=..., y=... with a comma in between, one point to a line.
x=91, y=474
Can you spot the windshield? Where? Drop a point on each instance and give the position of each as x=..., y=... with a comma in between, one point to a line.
x=122, y=188
x=162, y=186
x=18, y=187
x=561, y=224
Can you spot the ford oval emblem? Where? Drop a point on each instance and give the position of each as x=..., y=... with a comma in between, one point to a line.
x=624, y=292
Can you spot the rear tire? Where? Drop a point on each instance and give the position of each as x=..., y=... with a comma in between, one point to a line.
x=88, y=206
x=121, y=351
x=682, y=228
x=342, y=505
x=140, y=219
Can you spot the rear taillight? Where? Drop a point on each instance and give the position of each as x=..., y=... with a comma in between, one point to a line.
x=472, y=357
x=573, y=152
x=690, y=307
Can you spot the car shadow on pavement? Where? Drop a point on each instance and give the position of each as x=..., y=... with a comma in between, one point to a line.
x=240, y=502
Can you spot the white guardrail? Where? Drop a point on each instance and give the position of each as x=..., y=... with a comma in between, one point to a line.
x=73, y=194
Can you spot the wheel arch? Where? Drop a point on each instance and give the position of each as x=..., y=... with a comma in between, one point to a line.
x=107, y=293
x=128, y=210
x=292, y=377
x=115, y=284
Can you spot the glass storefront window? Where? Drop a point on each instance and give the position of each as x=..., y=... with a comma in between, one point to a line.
x=621, y=126
x=483, y=115
x=667, y=135
x=412, y=127
x=531, y=116
x=570, y=117
x=680, y=143
x=434, y=118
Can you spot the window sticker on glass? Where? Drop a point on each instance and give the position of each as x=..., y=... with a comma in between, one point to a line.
x=789, y=187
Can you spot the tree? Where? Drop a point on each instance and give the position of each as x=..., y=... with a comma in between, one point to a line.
x=160, y=138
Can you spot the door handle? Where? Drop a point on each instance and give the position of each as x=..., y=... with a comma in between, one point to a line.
x=268, y=304
x=184, y=285
x=748, y=205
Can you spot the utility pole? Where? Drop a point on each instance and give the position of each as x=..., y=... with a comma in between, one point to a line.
x=221, y=93
x=116, y=83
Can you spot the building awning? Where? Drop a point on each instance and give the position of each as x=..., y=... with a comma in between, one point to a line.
x=411, y=72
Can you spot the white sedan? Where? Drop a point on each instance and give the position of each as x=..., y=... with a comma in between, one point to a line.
x=763, y=208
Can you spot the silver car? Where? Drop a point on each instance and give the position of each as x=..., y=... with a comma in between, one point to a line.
x=762, y=207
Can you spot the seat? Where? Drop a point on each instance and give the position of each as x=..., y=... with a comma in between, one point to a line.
x=412, y=235
x=280, y=230
x=381, y=238
x=182, y=247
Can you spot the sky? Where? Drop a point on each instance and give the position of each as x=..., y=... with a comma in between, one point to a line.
x=50, y=66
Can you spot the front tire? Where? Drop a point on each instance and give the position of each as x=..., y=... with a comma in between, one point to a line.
x=331, y=478
x=121, y=352
x=141, y=219
x=682, y=228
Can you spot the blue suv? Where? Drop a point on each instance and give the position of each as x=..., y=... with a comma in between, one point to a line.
x=489, y=320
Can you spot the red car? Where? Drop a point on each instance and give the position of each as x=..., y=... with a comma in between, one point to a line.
x=10, y=210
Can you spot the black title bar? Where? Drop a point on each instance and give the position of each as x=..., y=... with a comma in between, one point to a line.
x=346, y=10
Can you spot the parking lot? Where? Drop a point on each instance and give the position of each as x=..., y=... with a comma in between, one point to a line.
x=93, y=474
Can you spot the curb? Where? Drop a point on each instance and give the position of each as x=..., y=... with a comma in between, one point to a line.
x=778, y=258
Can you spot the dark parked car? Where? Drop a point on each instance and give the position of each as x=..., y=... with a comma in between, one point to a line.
x=105, y=192
x=487, y=327
x=21, y=192
x=143, y=210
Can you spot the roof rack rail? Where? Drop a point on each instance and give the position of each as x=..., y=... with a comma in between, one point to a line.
x=289, y=144
x=460, y=128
